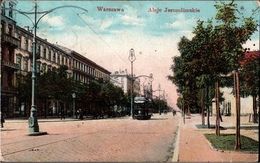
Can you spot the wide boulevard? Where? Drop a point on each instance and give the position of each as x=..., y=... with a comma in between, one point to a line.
x=103, y=140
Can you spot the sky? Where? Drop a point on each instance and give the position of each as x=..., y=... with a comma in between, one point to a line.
x=107, y=31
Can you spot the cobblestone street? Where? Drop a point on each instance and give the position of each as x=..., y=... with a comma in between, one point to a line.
x=102, y=140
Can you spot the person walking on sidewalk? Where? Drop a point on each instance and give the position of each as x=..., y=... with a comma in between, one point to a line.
x=62, y=115
x=2, y=119
x=220, y=117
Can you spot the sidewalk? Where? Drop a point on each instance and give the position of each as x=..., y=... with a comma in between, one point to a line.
x=194, y=147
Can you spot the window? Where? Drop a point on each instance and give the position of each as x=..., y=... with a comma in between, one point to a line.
x=19, y=38
x=54, y=57
x=38, y=49
x=3, y=27
x=18, y=61
x=25, y=65
x=49, y=55
x=38, y=67
x=44, y=53
x=58, y=59
x=26, y=45
x=62, y=60
x=3, y=9
x=74, y=64
x=32, y=47
x=44, y=67
x=11, y=10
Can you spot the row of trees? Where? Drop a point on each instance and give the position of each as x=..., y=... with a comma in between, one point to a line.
x=98, y=96
x=207, y=59
x=55, y=84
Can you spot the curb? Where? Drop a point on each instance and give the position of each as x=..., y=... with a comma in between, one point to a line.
x=175, y=157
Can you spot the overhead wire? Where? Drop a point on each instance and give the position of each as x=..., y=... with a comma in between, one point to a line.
x=98, y=35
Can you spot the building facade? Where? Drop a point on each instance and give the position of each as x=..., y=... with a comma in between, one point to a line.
x=122, y=79
x=8, y=66
x=16, y=60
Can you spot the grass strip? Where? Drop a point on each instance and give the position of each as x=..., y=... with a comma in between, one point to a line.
x=227, y=142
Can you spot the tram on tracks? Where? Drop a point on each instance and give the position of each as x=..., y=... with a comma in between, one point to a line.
x=143, y=108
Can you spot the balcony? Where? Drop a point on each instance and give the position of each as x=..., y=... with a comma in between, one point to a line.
x=11, y=65
x=10, y=39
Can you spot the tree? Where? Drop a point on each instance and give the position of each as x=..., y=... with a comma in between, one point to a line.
x=24, y=85
x=250, y=78
x=234, y=36
x=221, y=44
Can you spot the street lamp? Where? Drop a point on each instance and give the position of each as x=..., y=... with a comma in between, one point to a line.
x=151, y=88
x=32, y=121
x=132, y=58
x=73, y=96
x=159, y=88
x=147, y=93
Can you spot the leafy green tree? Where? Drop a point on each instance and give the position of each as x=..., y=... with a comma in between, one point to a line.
x=216, y=49
x=24, y=85
x=234, y=32
x=250, y=80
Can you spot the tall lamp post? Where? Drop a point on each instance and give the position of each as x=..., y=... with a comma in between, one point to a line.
x=159, y=88
x=132, y=58
x=32, y=121
x=151, y=88
x=73, y=96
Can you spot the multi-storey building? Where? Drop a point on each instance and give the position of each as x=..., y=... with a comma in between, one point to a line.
x=8, y=66
x=48, y=57
x=122, y=79
x=16, y=58
x=84, y=69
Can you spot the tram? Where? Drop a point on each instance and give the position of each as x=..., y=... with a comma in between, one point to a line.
x=142, y=108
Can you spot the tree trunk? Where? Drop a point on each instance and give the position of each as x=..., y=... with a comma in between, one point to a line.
x=45, y=107
x=183, y=107
x=217, y=109
x=203, y=106
x=208, y=113
x=188, y=113
x=254, y=109
x=237, y=94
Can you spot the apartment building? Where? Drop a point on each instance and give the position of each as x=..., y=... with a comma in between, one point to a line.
x=8, y=66
x=84, y=70
x=16, y=59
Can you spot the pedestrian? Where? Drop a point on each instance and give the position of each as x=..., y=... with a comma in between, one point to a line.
x=80, y=114
x=220, y=117
x=2, y=119
x=77, y=113
x=173, y=112
x=62, y=115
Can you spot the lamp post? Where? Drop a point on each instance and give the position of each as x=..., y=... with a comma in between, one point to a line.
x=132, y=58
x=159, y=88
x=73, y=96
x=32, y=121
x=151, y=88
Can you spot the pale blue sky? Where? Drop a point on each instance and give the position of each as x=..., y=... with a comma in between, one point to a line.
x=106, y=37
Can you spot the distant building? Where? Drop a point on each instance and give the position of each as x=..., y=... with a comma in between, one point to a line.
x=228, y=106
x=122, y=79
